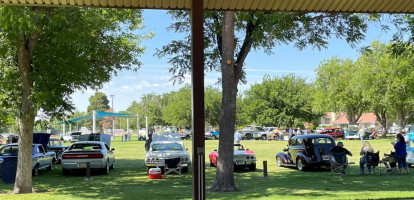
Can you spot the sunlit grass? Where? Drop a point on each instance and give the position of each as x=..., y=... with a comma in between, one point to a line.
x=130, y=181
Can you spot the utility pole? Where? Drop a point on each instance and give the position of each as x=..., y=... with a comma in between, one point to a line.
x=113, y=119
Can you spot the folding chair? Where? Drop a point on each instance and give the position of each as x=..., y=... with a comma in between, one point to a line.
x=372, y=160
x=338, y=162
x=172, y=165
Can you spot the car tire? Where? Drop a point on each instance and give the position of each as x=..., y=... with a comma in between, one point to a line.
x=278, y=161
x=187, y=137
x=105, y=170
x=50, y=167
x=299, y=164
x=211, y=164
x=113, y=165
x=35, y=170
x=65, y=172
x=184, y=170
x=264, y=137
x=252, y=167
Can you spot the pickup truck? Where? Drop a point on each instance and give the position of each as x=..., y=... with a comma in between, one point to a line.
x=41, y=158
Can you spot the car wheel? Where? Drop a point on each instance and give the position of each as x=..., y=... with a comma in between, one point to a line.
x=264, y=137
x=278, y=161
x=105, y=170
x=65, y=172
x=35, y=171
x=50, y=167
x=252, y=167
x=299, y=164
x=184, y=170
x=113, y=165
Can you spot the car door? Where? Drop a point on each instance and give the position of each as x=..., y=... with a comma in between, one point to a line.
x=42, y=156
x=294, y=148
x=110, y=153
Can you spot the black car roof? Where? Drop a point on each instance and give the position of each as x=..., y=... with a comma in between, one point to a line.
x=310, y=136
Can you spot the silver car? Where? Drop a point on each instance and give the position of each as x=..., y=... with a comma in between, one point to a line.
x=167, y=146
x=97, y=154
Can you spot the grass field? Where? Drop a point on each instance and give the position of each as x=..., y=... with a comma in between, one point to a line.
x=130, y=181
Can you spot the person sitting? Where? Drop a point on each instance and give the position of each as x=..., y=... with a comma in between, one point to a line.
x=366, y=147
x=373, y=135
x=339, y=148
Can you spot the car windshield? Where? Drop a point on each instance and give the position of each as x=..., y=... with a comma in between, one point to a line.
x=54, y=142
x=85, y=146
x=260, y=129
x=163, y=147
x=238, y=148
x=9, y=150
x=317, y=141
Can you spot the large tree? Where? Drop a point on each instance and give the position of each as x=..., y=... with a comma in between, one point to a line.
x=99, y=102
x=150, y=106
x=178, y=111
x=51, y=53
x=339, y=88
x=281, y=101
x=226, y=53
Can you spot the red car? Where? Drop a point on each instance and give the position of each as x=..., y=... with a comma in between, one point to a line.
x=242, y=158
x=334, y=132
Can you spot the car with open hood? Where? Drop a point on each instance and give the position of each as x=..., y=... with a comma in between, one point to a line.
x=242, y=158
x=306, y=151
x=56, y=146
x=167, y=146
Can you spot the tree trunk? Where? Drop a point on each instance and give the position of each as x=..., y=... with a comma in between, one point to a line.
x=381, y=118
x=25, y=49
x=224, y=181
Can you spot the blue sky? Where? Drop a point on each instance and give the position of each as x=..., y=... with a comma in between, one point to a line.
x=153, y=76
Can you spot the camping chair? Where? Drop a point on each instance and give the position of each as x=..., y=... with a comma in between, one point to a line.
x=172, y=165
x=372, y=160
x=338, y=162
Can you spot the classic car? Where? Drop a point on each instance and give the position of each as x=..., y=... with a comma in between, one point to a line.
x=264, y=133
x=334, y=132
x=40, y=157
x=306, y=151
x=96, y=153
x=250, y=132
x=167, y=146
x=211, y=135
x=352, y=132
x=242, y=158
x=185, y=134
x=56, y=146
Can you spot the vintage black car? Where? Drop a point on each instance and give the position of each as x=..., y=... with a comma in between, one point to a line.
x=306, y=151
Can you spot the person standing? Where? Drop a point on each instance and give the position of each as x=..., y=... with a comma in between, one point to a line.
x=401, y=154
x=148, y=142
x=237, y=137
x=361, y=134
x=290, y=132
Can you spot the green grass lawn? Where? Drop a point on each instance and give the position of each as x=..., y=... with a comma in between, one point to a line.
x=130, y=181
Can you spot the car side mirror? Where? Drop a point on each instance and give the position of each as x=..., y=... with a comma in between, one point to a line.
x=285, y=149
x=113, y=149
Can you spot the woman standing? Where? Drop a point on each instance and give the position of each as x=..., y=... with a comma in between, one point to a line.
x=401, y=154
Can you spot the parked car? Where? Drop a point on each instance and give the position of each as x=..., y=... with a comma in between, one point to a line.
x=242, y=157
x=334, y=132
x=167, y=146
x=264, y=135
x=249, y=132
x=185, y=134
x=80, y=153
x=352, y=132
x=211, y=135
x=393, y=129
x=72, y=137
x=56, y=146
x=40, y=157
x=306, y=151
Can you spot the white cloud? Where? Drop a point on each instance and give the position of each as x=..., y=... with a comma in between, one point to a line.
x=142, y=85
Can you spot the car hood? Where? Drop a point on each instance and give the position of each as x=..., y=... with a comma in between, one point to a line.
x=58, y=147
x=168, y=154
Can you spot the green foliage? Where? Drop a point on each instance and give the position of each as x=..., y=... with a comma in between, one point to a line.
x=99, y=102
x=263, y=31
x=77, y=49
x=212, y=106
x=177, y=111
x=339, y=88
x=151, y=106
x=280, y=101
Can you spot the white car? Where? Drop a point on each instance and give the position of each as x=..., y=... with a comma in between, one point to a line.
x=96, y=153
x=167, y=146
